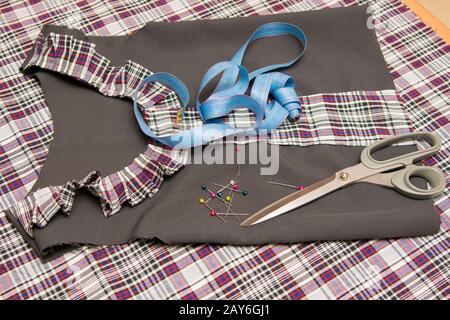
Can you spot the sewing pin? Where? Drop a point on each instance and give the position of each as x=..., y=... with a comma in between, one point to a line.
x=233, y=187
x=214, y=195
x=223, y=188
x=299, y=187
x=219, y=197
x=205, y=203
x=231, y=196
x=213, y=213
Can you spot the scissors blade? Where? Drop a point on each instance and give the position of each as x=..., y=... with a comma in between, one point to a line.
x=293, y=200
x=310, y=193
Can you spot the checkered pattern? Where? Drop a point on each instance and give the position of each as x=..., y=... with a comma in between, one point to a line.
x=79, y=59
x=415, y=268
x=350, y=118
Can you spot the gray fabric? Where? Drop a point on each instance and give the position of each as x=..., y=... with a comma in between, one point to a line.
x=95, y=132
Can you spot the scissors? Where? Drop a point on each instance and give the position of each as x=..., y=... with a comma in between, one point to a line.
x=393, y=173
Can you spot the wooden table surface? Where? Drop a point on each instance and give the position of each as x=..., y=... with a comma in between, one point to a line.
x=435, y=13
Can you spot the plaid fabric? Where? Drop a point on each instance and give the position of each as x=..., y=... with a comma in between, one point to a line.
x=79, y=59
x=350, y=118
x=414, y=268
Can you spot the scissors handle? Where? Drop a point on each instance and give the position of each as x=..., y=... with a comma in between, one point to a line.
x=403, y=160
x=401, y=180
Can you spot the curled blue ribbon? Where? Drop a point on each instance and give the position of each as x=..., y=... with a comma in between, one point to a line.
x=229, y=94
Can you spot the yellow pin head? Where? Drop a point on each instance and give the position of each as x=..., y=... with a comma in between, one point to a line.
x=179, y=118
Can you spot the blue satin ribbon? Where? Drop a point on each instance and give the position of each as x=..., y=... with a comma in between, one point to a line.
x=229, y=94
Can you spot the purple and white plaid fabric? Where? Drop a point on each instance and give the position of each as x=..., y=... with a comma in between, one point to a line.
x=404, y=268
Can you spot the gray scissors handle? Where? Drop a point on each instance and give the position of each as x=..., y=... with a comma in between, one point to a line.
x=403, y=160
x=401, y=181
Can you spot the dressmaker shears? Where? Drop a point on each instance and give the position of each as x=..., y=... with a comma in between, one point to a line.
x=395, y=173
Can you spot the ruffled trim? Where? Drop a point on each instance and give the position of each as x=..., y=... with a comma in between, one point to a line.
x=131, y=185
x=79, y=59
